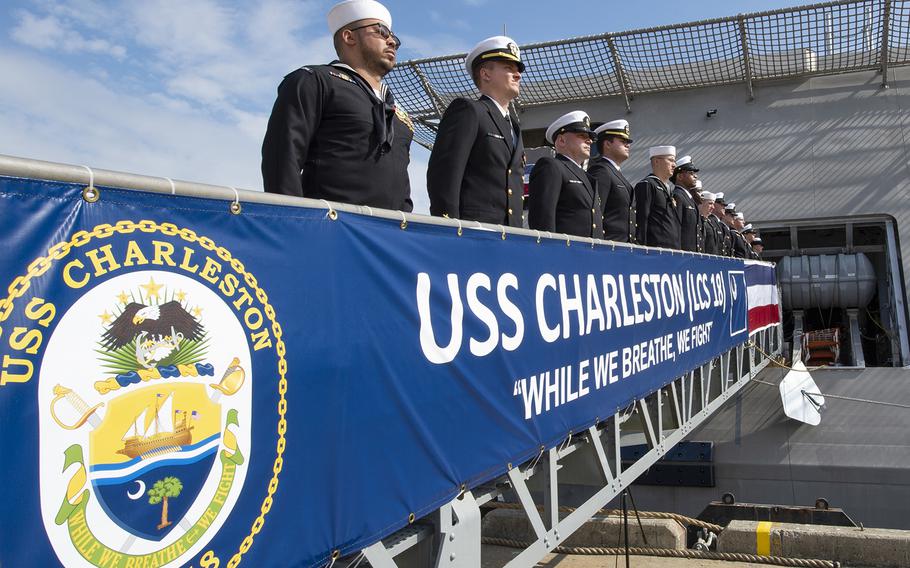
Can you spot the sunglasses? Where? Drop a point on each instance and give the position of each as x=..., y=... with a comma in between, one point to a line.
x=383, y=31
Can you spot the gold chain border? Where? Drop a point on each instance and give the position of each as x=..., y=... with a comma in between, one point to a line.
x=59, y=251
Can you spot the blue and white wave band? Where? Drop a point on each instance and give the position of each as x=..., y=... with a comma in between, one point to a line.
x=106, y=474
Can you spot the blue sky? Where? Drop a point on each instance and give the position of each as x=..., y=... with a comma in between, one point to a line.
x=183, y=88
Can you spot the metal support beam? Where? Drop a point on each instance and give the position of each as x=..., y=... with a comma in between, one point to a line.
x=856, y=341
x=886, y=30
x=459, y=533
x=517, y=479
x=431, y=94
x=620, y=73
x=902, y=349
x=694, y=397
x=747, y=60
x=797, y=338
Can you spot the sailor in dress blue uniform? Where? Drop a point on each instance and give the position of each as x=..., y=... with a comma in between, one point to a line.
x=335, y=132
x=562, y=198
x=476, y=167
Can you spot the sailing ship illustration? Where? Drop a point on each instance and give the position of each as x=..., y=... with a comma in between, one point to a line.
x=164, y=435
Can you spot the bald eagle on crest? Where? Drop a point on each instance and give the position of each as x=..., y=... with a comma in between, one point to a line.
x=168, y=323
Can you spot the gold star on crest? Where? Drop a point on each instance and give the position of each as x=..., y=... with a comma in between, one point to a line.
x=106, y=318
x=122, y=297
x=151, y=289
x=197, y=311
x=181, y=295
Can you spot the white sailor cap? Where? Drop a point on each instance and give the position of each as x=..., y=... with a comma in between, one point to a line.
x=350, y=11
x=698, y=187
x=748, y=229
x=685, y=164
x=614, y=128
x=496, y=47
x=730, y=207
x=661, y=151
x=740, y=216
x=707, y=196
x=575, y=121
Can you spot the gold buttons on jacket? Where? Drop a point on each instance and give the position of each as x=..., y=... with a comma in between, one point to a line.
x=509, y=172
x=510, y=210
x=510, y=191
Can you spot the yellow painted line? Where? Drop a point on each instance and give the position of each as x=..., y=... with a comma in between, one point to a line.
x=763, y=538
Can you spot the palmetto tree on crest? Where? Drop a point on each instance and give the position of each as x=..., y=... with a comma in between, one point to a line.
x=169, y=487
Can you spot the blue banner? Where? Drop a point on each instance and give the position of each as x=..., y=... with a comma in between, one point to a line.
x=181, y=385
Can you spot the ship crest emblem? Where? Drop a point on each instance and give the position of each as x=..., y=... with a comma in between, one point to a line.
x=147, y=396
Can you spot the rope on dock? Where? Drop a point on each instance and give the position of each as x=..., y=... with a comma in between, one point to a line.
x=674, y=553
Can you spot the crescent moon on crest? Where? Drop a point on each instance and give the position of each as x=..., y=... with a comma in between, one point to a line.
x=139, y=492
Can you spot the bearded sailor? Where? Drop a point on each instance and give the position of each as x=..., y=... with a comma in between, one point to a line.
x=336, y=132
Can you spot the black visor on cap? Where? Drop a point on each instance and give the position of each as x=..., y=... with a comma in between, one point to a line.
x=498, y=55
x=615, y=133
x=686, y=168
x=579, y=127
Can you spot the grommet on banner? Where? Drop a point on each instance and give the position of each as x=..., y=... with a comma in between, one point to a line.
x=331, y=214
x=173, y=187
x=235, y=205
x=336, y=554
x=503, y=229
x=411, y=518
x=459, y=226
x=538, y=242
x=404, y=220
x=463, y=488
x=90, y=194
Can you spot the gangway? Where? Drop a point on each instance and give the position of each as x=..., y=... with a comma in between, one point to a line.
x=450, y=536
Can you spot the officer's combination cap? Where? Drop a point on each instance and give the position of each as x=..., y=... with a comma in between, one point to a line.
x=500, y=48
x=618, y=128
x=685, y=164
x=575, y=121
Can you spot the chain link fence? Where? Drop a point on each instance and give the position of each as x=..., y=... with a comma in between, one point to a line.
x=834, y=37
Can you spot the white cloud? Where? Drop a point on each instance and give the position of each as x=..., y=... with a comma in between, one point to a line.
x=431, y=46
x=52, y=113
x=191, y=102
x=182, y=30
x=48, y=33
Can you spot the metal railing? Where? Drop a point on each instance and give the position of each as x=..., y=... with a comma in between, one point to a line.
x=451, y=537
x=820, y=39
